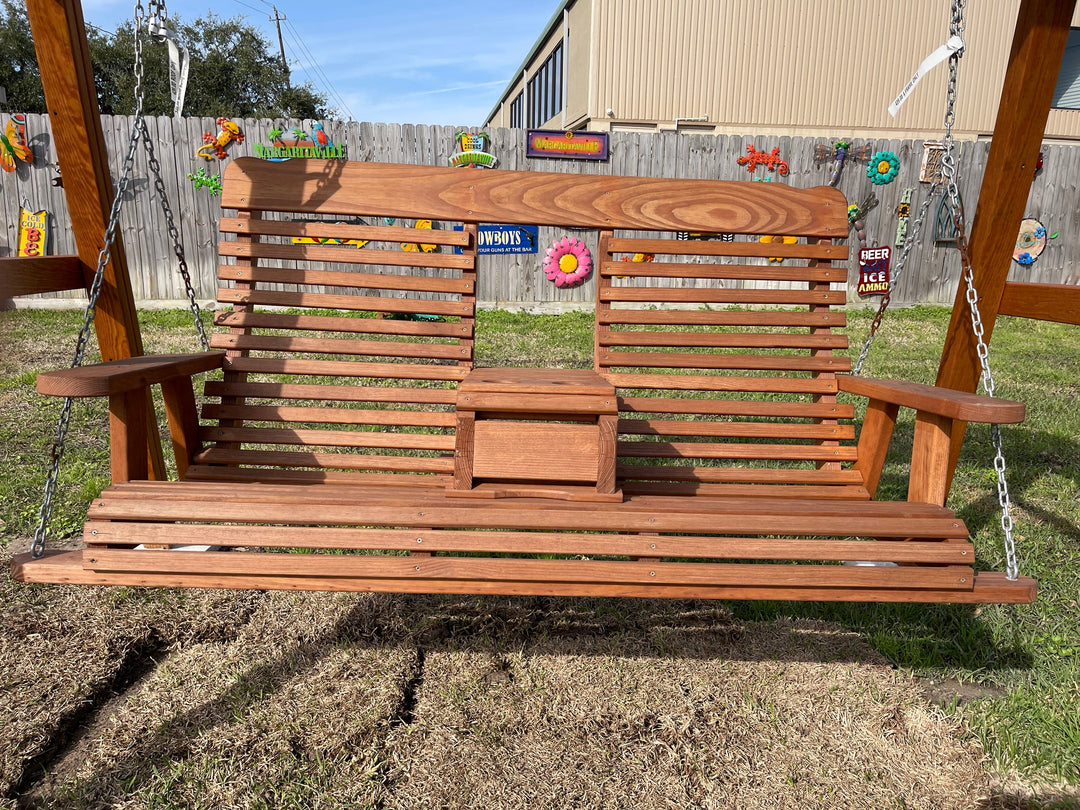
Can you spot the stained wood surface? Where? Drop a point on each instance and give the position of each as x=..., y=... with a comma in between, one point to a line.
x=535, y=451
x=740, y=362
x=526, y=381
x=441, y=540
x=655, y=269
x=344, y=368
x=369, y=348
x=355, y=303
x=40, y=274
x=337, y=393
x=334, y=323
x=105, y=379
x=325, y=278
x=333, y=230
x=756, y=318
x=443, y=193
x=338, y=254
x=1043, y=302
x=737, y=340
x=934, y=399
x=336, y=461
x=68, y=568
x=339, y=416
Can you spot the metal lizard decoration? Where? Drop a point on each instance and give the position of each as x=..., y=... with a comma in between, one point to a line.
x=771, y=160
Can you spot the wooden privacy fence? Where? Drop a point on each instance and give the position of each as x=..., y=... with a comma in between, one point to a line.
x=516, y=280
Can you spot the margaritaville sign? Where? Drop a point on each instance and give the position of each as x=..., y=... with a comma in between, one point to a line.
x=301, y=145
x=556, y=144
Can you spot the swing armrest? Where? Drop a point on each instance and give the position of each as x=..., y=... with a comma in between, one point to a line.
x=936, y=400
x=120, y=376
x=938, y=412
x=126, y=383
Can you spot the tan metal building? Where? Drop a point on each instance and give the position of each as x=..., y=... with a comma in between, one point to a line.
x=822, y=68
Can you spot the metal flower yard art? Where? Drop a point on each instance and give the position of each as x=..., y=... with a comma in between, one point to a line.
x=883, y=168
x=568, y=262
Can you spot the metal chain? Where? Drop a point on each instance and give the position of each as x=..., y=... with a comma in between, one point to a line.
x=948, y=172
x=138, y=129
x=894, y=279
x=957, y=25
x=174, y=236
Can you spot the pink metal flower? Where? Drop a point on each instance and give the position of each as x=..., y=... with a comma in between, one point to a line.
x=568, y=262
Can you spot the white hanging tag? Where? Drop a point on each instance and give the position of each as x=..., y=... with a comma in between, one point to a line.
x=953, y=45
x=178, y=61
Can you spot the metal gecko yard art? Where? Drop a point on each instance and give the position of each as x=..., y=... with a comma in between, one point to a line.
x=772, y=160
x=215, y=144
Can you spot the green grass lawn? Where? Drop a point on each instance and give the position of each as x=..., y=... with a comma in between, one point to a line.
x=1024, y=659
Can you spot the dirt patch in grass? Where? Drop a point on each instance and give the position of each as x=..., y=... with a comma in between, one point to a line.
x=289, y=713
x=676, y=708
x=161, y=698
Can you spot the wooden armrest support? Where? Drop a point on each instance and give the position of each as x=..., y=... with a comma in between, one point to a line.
x=933, y=399
x=126, y=383
x=119, y=376
x=938, y=411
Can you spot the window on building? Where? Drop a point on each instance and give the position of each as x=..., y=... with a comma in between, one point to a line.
x=517, y=111
x=545, y=89
x=1067, y=89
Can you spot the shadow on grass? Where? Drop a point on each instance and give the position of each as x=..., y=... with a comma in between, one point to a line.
x=532, y=626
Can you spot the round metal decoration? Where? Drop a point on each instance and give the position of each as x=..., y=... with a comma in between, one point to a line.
x=1030, y=242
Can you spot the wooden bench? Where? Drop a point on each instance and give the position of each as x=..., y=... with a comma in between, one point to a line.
x=349, y=423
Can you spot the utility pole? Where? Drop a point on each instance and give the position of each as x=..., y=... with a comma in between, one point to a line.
x=277, y=18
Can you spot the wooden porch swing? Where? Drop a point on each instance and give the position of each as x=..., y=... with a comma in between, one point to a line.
x=705, y=454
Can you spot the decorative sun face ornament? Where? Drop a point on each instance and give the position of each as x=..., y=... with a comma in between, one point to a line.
x=883, y=168
x=568, y=262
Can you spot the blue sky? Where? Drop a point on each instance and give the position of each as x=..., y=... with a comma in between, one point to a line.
x=402, y=61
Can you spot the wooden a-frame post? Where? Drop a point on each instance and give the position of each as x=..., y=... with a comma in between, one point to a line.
x=71, y=98
x=1038, y=47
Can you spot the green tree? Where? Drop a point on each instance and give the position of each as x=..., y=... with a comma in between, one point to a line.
x=18, y=62
x=234, y=71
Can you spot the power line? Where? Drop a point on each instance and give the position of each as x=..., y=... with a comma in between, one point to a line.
x=298, y=41
x=248, y=5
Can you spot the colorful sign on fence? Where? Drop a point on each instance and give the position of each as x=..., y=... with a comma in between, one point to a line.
x=301, y=145
x=874, y=270
x=506, y=239
x=554, y=144
x=33, y=232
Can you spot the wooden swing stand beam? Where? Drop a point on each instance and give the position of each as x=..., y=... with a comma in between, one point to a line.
x=706, y=454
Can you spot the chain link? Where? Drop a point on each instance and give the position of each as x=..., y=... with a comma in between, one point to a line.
x=957, y=25
x=971, y=296
x=174, y=236
x=894, y=279
x=139, y=132
x=1012, y=570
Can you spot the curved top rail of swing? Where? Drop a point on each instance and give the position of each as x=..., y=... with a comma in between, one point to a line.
x=119, y=376
x=606, y=202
